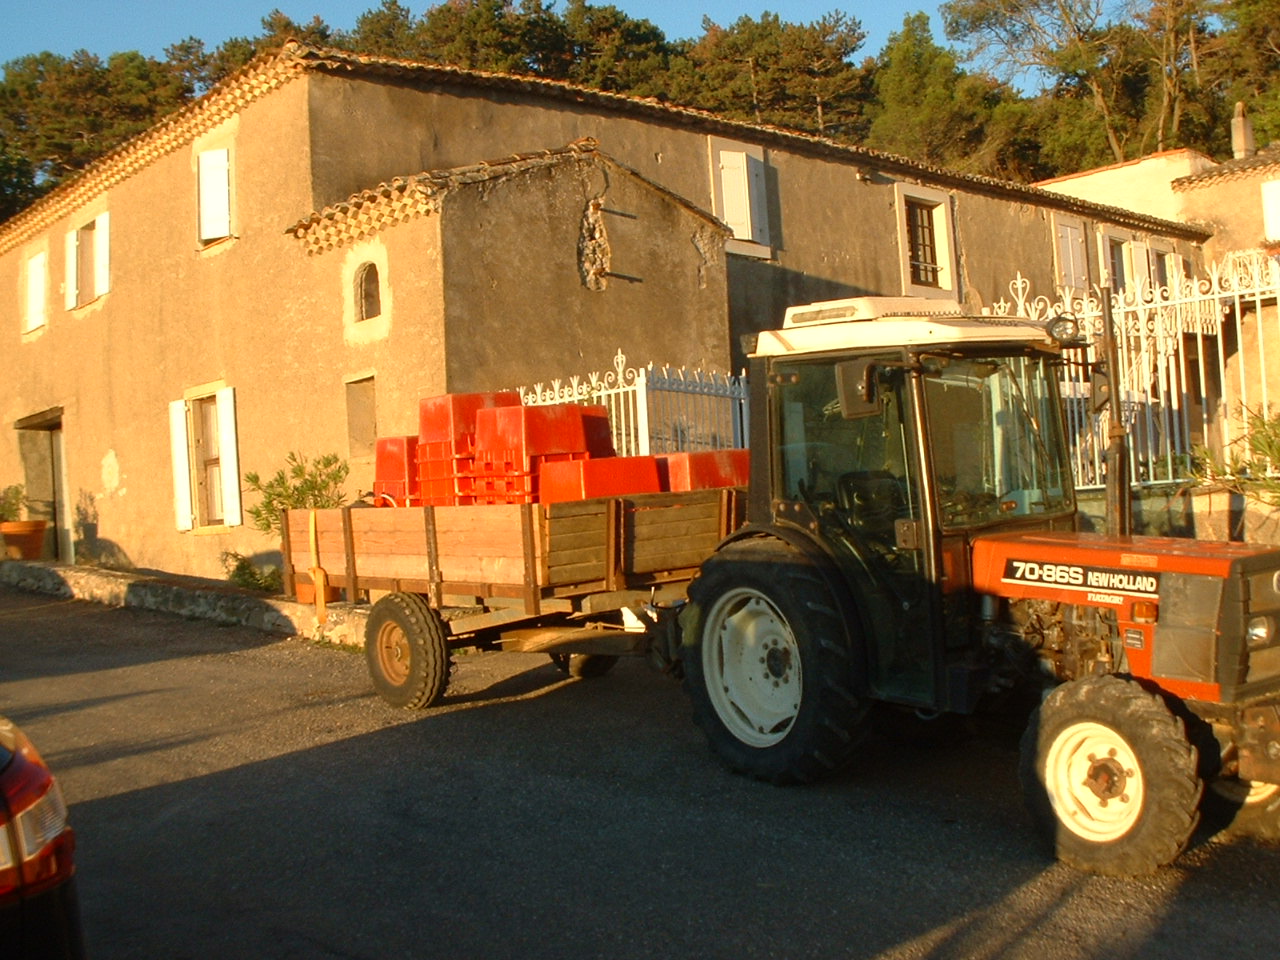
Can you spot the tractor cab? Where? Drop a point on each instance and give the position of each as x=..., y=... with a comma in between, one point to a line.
x=895, y=439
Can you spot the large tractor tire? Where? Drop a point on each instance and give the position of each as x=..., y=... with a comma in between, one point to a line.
x=767, y=665
x=406, y=651
x=1110, y=777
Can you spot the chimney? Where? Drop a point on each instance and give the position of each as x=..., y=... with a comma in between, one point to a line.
x=1242, y=145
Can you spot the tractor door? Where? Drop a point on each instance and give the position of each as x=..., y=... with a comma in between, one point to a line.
x=851, y=467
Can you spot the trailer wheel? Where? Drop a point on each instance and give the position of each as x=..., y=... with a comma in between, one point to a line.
x=767, y=666
x=584, y=666
x=406, y=651
x=1244, y=808
x=1110, y=777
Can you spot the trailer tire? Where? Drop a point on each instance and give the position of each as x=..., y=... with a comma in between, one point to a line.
x=406, y=651
x=1110, y=777
x=584, y=666
x=767, y=665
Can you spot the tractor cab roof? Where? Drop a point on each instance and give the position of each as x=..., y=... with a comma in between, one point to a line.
x=873, y=322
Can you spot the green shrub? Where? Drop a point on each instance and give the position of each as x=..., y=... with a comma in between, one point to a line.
x=12, y=500
x=243, y=572
x=302, y=484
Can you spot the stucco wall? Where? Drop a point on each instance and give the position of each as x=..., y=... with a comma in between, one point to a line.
x=1232, y=207
x=253, y=312
x=520, y=306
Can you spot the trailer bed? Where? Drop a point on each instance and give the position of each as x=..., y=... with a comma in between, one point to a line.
x=513, y=562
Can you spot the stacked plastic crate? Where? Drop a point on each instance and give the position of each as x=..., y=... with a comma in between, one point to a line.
x=447, y=427
x=487, y=448
x=515, y=444
x=395, y=481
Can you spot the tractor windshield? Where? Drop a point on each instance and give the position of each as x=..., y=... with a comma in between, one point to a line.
x=996, y=441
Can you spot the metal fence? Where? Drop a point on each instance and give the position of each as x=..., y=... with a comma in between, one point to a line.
x=1195, y=357
x=657, y=410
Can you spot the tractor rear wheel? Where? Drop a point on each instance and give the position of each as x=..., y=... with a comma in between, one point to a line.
x=1110, y=777
x=767, y=664
x=406, y=651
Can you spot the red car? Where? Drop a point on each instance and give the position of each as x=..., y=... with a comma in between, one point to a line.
x=39, y=911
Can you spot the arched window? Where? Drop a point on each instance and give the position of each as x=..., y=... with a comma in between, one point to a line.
x=368, y=292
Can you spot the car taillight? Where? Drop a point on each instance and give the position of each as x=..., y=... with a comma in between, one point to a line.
x=36, y=845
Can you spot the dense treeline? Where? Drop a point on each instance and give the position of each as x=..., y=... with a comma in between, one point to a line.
x=1030, y=89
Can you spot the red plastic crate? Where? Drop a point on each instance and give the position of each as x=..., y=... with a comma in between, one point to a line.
x=704, y=469
x=528, y=432
x=505, y=488
x=395, y=459
x=391, y=494
x=444, y=492
x=606, y=477
x=451, y=417
x=599, y=435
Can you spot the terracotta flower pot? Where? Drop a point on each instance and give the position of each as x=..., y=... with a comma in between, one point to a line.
x=23, y=539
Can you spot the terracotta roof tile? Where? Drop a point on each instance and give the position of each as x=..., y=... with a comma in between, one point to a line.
x=271, y=71
x=1268, y=156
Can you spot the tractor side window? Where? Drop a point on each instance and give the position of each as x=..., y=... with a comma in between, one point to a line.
x=857, y=470
x=995, y=441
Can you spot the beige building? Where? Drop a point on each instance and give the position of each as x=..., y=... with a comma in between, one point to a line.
x=269, y=270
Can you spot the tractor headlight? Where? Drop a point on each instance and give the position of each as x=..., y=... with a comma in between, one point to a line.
x=1259, y=632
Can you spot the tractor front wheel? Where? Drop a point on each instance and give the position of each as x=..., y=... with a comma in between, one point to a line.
x=1110, y=777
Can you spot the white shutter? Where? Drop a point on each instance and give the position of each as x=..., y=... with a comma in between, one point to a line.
x=1271, y=210
x=215, y=194
x=735, y=193
x=229, y=457
x=1140, y=264
x=756, y=197
x=70, y=286
x=37, y=282
x=102, y=254
x=180, y=451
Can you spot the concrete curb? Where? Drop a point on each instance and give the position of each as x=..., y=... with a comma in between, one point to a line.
x=188, y=597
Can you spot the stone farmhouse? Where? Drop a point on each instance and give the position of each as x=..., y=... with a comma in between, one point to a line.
x=293, y=260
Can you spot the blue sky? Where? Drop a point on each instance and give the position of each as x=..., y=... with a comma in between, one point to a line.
x=107, y=26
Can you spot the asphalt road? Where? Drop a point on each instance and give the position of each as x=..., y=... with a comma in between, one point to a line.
x=240, y=795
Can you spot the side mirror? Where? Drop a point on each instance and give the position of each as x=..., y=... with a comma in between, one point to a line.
x=856, y=385
x=1099, y=389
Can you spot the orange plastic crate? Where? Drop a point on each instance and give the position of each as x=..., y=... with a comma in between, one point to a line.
x=451, y=417
x=605, y=477
x=528, y=432
x=704, y=469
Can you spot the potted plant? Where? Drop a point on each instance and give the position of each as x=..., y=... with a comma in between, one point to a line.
x=301, y=484
x=23, y=539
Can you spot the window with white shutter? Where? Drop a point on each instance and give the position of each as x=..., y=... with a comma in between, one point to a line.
x=35, y=314
x=740, y=195
x=206, y=466
x=214, y=169
x=88, y=262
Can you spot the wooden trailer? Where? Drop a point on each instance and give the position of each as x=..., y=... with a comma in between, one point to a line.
x=569, y=579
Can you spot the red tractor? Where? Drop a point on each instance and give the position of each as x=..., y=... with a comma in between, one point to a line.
x=911, y=548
